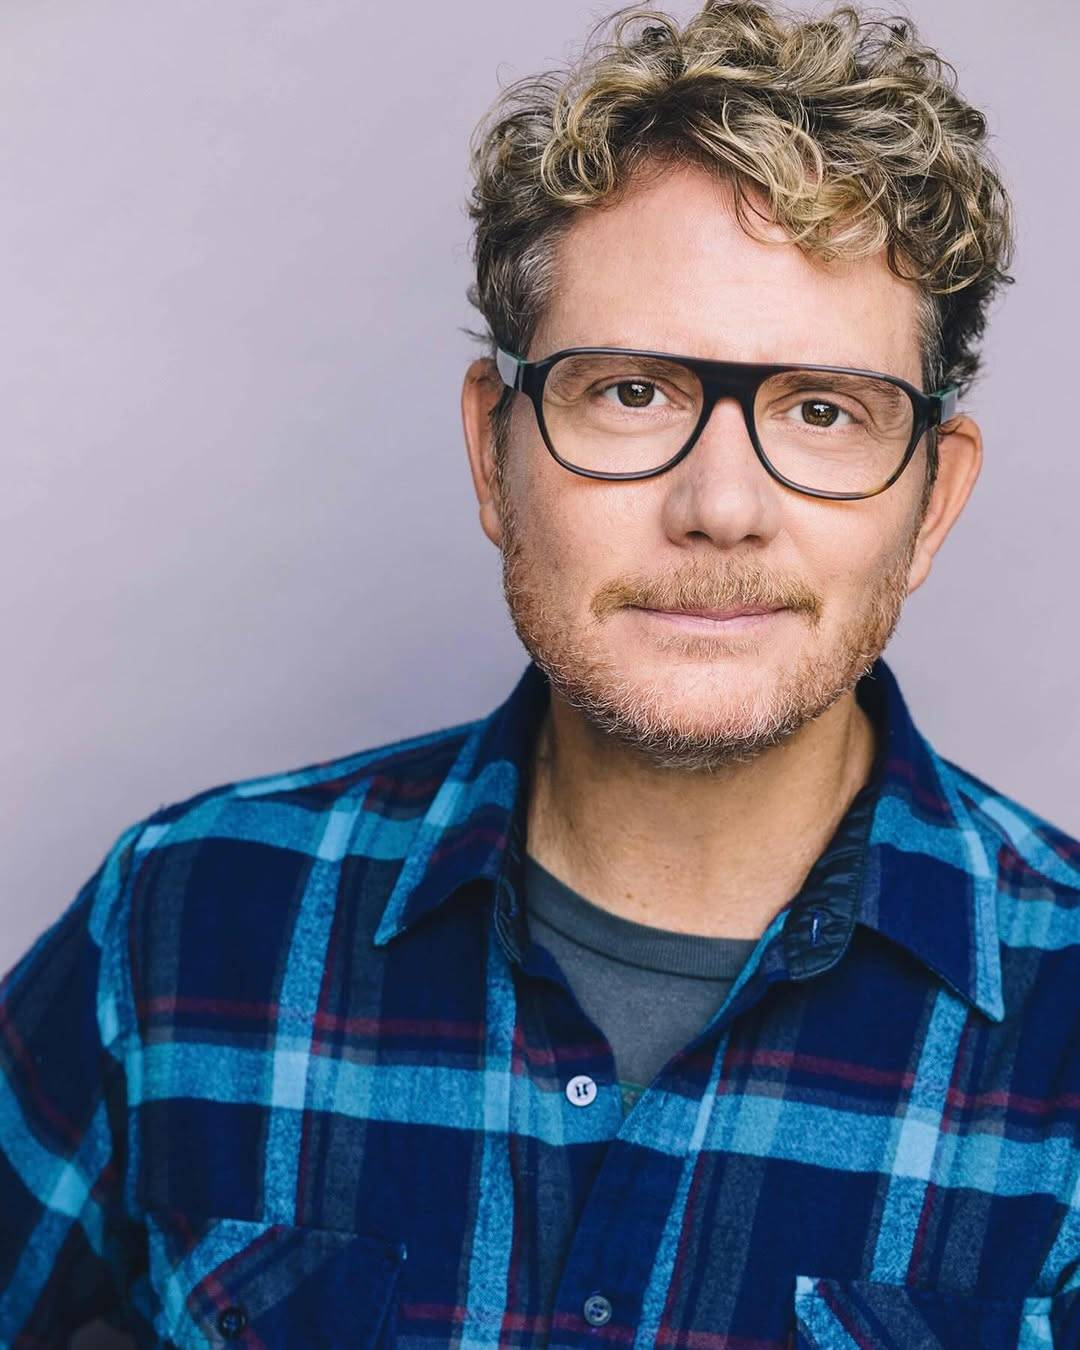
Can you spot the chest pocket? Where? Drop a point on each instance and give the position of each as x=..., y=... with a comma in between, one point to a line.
x=841, y=1314
x=235, y=1283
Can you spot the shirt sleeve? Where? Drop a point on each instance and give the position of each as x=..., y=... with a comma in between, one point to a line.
x=66, y=1030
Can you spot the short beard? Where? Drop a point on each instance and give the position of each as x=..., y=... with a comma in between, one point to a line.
x=636, y=713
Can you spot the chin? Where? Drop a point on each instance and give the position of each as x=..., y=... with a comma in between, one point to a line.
x=692, y=692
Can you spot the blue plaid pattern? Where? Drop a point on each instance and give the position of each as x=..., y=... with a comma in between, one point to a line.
x=287, y=1072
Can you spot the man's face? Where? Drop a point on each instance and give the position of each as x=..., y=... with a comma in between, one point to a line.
x=670, y=269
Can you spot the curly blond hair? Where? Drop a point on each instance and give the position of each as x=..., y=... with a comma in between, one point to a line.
x=847, y=126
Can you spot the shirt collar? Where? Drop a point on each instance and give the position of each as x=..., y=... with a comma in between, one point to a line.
x=921, y=873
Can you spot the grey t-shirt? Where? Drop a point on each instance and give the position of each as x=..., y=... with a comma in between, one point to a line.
x=649, y=990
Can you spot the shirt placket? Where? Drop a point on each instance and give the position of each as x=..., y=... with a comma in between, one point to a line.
x=629, y=1241
x=627, y=1244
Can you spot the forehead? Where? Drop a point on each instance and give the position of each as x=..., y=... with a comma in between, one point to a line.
x=669, y=267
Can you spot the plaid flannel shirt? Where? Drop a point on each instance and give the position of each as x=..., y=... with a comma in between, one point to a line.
x=287, y=1072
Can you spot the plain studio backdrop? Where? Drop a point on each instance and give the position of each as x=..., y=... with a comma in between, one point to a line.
x=238, y=529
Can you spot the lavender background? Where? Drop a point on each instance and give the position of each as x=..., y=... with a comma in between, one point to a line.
x=237, y=531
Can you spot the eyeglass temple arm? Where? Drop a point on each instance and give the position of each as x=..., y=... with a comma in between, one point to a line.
x=509, y=367
x=946, y=400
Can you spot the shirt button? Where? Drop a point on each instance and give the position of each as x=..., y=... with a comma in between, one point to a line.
x=597, y=1310
x=581, y=1091
x=232, y=1321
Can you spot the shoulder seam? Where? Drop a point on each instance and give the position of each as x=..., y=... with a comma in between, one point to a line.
x=1000, y=829
x=311, y=774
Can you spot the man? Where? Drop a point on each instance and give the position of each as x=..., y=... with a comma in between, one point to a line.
x=691, y=998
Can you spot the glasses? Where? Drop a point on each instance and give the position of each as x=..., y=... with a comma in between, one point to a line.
x=828, y=431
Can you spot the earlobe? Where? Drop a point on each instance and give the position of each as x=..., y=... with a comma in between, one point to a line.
x=919, y=571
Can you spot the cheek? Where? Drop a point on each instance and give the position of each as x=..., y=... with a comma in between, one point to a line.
x=573, y=547
x=605, y=534
x=848, y=550
x=578, y=531
x=545, y=535
x=854, y=568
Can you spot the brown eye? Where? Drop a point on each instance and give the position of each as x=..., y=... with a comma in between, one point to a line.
x=818, y=413
x=634, y=393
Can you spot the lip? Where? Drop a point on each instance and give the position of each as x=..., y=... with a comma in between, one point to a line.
x=737, y=613
x=714, y=620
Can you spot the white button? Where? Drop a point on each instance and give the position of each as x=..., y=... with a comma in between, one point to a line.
x=581, y=1091
x=597, y=1310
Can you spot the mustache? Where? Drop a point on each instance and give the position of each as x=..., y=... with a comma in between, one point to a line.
x=695, y=591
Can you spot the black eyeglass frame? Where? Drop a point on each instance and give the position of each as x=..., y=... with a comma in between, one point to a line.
x=725, y=379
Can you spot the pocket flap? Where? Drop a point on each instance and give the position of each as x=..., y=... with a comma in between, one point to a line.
x=235, y=1283
x=843, y=1314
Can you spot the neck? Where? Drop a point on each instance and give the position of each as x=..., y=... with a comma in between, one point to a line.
x=717, y=855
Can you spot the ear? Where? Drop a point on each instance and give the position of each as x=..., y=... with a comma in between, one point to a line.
x=480, y=392
x=959, y=462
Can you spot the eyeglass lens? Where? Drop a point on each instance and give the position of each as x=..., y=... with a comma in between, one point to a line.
x=830, y=431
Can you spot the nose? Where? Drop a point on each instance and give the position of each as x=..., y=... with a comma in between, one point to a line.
x=721, y=489
x=725, y=440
